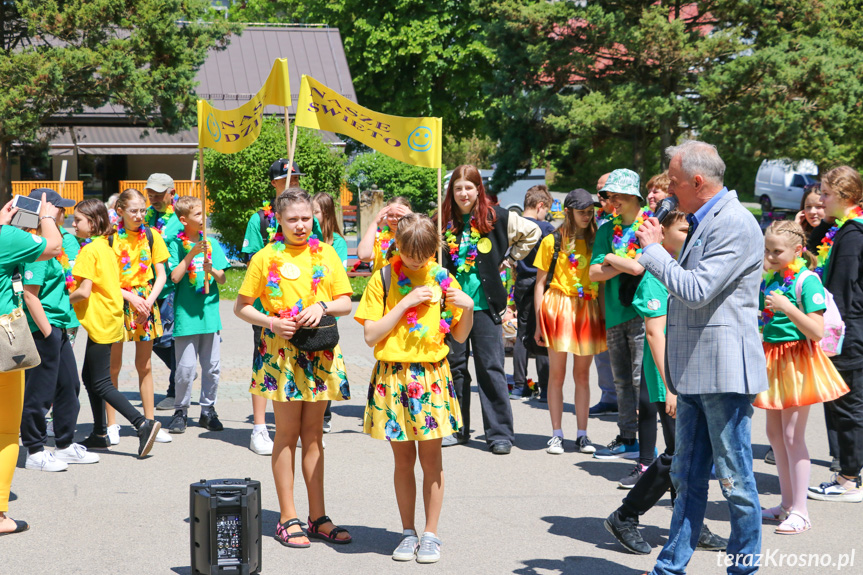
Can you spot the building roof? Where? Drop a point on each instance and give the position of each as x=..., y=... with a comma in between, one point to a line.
x=227, y=79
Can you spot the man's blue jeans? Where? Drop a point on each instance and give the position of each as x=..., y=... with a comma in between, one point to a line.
x=713, y=429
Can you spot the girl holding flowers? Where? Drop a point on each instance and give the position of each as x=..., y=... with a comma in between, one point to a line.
x=407, y=311
x=137, y=260
x=377, y=240
x=298, y=279
x=480, y=238
x=793, y=303
x=568, y=316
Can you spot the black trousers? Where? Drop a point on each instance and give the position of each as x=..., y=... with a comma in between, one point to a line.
x=54, y=381
x=486, y=341
x=646, y=423
x=96, y=375
x=524, y=305
x=657, y=478
x=846, y=414
x=832, y=433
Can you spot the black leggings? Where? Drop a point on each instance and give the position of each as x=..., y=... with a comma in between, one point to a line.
x=96, y=375
x=647, y=424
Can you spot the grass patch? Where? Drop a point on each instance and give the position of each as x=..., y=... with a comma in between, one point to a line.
x=755, y=212
x=358, y=284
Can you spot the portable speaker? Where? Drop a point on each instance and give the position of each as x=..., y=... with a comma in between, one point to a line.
x=225, y=522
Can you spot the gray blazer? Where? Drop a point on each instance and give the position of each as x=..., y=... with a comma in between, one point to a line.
x=713, y=344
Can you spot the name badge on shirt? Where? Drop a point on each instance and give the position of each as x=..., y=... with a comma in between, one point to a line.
x=484, y=245
x=290, y=271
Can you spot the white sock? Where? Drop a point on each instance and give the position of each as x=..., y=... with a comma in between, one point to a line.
x=259, y=428
x=429, y=534
x=581, y=433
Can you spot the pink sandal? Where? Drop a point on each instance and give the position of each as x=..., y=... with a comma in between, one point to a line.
x=794, y=524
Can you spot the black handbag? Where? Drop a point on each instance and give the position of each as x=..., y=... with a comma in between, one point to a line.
x=529, y=342
x=323, y=336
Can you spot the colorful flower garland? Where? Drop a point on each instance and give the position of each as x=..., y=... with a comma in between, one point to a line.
x=274, y=277
x=89, y=240
x=272, y=223
x=130, y=278
x=463, y=264
x=192, y=270
x=67, y=270
x=577, y=261
x=626, y=244
x=158, y=223
x=443, y=279
x=384, y=237
x=778, y=282
x=823, y=255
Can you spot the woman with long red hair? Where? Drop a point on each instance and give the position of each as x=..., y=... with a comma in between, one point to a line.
x=480, y=238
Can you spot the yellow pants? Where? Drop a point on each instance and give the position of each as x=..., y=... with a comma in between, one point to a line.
x=11, y=404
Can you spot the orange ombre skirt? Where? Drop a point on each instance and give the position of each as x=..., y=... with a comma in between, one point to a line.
x=572, y=324
x=798, y=373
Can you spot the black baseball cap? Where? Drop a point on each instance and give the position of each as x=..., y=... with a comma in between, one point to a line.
x=579, y=199
x=51, y=197
x=279, y=170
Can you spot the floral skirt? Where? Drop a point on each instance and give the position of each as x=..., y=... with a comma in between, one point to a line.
x=147, y=331
x=572, y=324
x=282, y=372
x=411, y=402
x=798, y=373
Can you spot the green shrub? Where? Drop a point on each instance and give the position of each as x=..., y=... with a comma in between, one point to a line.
x=239, y=183
x=395, y=178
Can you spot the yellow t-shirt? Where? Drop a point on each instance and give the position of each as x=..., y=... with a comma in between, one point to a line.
x=380, y=254
x=134, y=244
x=400, y=344
x=102, y=313
x=564, y=279
x=296, y=263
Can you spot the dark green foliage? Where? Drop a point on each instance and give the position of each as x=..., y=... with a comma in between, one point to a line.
x=239, y=183
x=395, y=178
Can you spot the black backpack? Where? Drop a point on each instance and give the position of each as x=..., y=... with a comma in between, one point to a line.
x=529, y=343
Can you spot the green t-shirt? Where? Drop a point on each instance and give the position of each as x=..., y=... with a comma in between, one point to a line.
x=55, y=300
x=615, y=312
x=470, y=282
x=253, y=242
x=70, y=245
x=651, y=300
x=17, y=248
x=341, y=247
x=781, y=328
x=172, y=227
x=196, y=312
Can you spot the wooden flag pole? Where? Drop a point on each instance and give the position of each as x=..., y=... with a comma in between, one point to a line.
x=203, y=187
x=288, y=133
x=439, y=218
x=291, y=150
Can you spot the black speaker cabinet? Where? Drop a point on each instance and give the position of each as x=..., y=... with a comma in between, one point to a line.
x=225, y=520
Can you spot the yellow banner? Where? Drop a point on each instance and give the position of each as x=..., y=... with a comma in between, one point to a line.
x=415, y=141
x=229, y=131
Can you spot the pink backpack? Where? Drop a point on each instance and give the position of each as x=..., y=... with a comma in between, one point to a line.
x=834, y=327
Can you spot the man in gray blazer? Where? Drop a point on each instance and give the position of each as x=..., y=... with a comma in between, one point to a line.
x=714, y=357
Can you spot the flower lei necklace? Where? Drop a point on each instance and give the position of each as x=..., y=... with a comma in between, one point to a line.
x=384, y=237
x=625, y=244
x=129, y=277
x=274, y=277
x=158, y=223
x=577, y=262
x=442, y=278
x=823, y=254
x=192, y=270
x=272, y=224
x=463, y=264
x=779, y=282
x=89, y=240
x=67, y=270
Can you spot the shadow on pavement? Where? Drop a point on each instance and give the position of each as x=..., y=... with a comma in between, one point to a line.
x=365, y=539
x=575, y=564
x=592, y=531
x=611, y=469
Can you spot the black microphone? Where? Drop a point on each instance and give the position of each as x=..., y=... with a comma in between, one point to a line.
x=669, y=204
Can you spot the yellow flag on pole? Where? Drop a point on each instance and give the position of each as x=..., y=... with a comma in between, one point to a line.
x=229, y=131
x=415, y=141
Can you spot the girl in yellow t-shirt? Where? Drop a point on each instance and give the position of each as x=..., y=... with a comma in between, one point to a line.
x=411, y=395
x=99, y=307
x=378, y=240
x=569, y=319
x=298, y=279
x=140, y=288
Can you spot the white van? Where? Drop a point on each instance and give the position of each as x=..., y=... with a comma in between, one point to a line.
x=513, y=197
x=779, y=183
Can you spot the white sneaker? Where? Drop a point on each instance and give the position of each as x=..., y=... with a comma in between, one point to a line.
x=75, y=453
x=49, y=425
x=114, y=433
x=163, y=437
x=555, y=445
x=261, y=443
x=44, y=461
